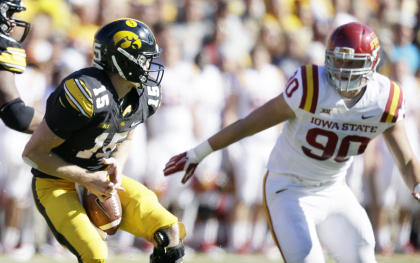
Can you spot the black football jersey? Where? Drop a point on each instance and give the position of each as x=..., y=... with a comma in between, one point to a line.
x=86, y=112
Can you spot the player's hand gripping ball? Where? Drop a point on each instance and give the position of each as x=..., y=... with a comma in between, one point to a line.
x=104, y=215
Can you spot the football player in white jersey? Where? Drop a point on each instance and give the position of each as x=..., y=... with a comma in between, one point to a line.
x=331, y=114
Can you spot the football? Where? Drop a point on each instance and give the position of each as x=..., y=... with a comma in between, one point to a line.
x=105, y=215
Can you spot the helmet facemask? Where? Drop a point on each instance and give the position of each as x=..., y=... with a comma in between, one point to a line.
x=347, y=70
x=7, y=10
x=140, y=69
x=153, y=71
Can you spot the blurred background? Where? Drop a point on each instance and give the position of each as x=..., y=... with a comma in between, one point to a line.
x=223, y=59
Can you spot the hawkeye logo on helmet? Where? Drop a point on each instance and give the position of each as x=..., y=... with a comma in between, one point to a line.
x=131, y=23
x=127, y=39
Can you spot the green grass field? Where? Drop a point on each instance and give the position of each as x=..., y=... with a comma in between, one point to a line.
x=206, y=258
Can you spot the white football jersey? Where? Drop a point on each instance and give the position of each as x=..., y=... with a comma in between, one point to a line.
x=319, y=144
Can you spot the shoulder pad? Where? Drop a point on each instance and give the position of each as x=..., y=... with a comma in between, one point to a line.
x=394, y=104
x=12, y=55
x=302, y=88
x=78, y=96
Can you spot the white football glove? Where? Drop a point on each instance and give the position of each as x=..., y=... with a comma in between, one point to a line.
x=187, y=161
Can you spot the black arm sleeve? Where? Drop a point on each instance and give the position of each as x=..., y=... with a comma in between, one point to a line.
x=16, y=115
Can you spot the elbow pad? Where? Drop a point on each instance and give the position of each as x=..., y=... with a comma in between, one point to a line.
x=16, y=115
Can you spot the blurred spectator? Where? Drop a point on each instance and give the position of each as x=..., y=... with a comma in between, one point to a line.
x=208, y=47
x=82, y=32
x=404, y=46
x=190, y=27
x=112, y=9
x=297, y=44
x=258, y=83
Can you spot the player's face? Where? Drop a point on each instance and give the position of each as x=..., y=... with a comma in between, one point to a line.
x=348, y=64
x=342, y=63
x=349, y=94
x=145, y=63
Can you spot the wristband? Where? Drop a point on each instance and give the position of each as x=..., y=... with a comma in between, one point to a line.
x=201, y=151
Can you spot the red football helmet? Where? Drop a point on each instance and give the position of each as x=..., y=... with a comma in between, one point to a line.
x=351, y=56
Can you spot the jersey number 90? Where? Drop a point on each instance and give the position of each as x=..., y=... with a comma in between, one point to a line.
x=325, y=142
x=328, y=148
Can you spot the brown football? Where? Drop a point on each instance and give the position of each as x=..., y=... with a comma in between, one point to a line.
x=104, y=215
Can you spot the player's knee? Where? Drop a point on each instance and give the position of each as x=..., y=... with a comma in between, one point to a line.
x=168, y=245
x=172, y=233
x=16, y=115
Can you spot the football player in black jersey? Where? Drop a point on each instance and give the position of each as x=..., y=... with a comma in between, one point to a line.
x=13, y=111
x=83, y=139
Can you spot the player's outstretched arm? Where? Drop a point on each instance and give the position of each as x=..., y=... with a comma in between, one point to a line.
x=402, y=153
x=273, y=112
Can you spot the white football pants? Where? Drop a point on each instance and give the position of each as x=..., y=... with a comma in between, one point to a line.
x=303, y=215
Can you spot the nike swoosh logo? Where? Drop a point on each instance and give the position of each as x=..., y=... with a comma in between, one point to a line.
x=281, y=190
x=135, y=123
x=101, y=206
x=367, y=117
